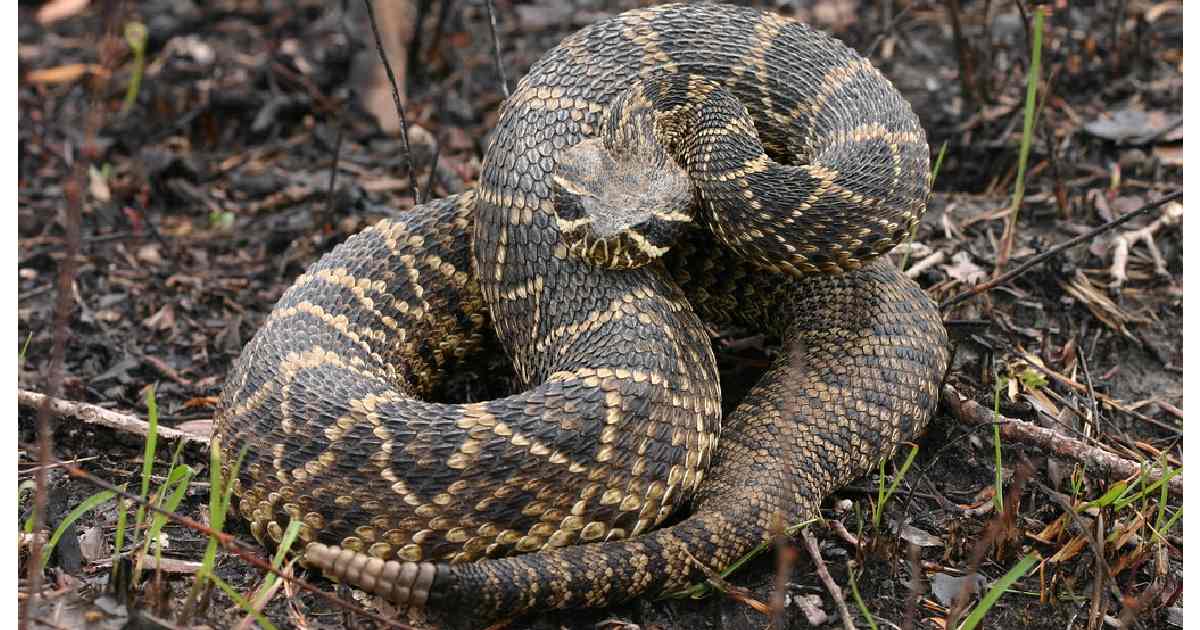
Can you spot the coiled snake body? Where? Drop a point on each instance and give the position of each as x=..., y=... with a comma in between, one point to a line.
x=771, y=161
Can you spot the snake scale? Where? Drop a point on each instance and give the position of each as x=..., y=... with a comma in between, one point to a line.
x=658, y=170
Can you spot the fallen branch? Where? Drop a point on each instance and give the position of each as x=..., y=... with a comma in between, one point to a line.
x=970, y=412
x=92, y=414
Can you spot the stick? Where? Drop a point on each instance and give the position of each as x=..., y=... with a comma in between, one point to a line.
x=814, y=550
x=387, y=67
x=496, y=46
x=93, y=414
x=1040, y=258
x=970, y=412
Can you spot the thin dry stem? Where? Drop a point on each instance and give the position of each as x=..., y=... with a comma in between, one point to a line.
x=387, y=67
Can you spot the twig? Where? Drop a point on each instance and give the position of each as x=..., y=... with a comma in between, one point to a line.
x=1053, y=251
x=966, y=57
x=814, y=550
x=1103, y=398
x=73, y=461
x=333, y=171
x=99, y=415
x=887, y=29
x=437, y=154
x=1087, y=377
x=1099, y=604
x=1123, y=242
x=491, y=7
x=920, y=266
x=228, y=542
x=387, y=67
x=970, y=412
x=785, y=559
x=915, y=587
x=72, y=214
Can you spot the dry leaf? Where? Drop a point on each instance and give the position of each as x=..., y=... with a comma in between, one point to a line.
x=919, y=537
x=1051, y=532
x=200, y=401
x=65, y=73
x=1170, y=155
x=1100, y=304
x=59, y=9
x=946, y=587
x=198, y=428
x=965, y=271
x=149, y=254
x=1070, y=550
x=164, y=319
x=91, y=544
x=1134, y=126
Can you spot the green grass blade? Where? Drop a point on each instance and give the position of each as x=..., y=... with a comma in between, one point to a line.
x=220, y=490
x=242, y=602
x=1171, y=522
x=912, y=454
x=119, y=543
x=85, y=506
x=24, y=350
x=937, y=165
x=1160, y=484
x=1035, y=75
x=179, y=478
x=701, y=590
x=862, y=607
x=998, y=490
x=289, y=538
x=998, y=589
x=135, y=36
x=26, y=486
x=151, y=440
x=149, y=454
x=912, y=234
x=1108, y=498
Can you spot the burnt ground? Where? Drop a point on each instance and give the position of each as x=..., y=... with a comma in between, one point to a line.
x=201, y=202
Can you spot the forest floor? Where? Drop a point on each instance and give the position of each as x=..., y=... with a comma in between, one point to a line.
x=188, y=212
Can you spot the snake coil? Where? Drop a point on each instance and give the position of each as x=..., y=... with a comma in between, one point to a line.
x=664, y=168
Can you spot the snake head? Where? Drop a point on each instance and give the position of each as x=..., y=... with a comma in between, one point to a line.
x=619, y=210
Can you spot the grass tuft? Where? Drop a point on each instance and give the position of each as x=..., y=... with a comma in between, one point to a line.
x=877, y=508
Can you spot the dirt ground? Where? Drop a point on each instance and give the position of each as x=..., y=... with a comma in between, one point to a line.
x=204, y=197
